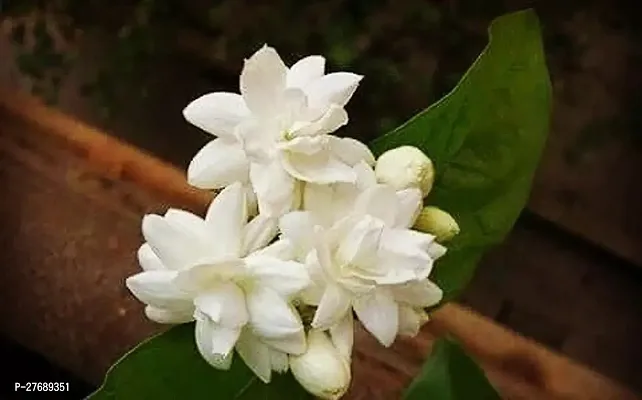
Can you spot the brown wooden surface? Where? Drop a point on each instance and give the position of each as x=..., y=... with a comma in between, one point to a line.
x=71, y=214
x=569, y=295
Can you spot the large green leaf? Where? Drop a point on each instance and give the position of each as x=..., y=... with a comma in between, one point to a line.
x=449, y=374
x=485, y=139
x=168, y=366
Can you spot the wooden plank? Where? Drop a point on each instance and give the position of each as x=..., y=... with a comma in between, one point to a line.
x=588, y=179
x=72, y=212
x=569, y=296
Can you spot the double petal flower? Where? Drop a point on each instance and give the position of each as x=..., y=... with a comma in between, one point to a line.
x=219, y=272
x=368, y=261
x=276, y=133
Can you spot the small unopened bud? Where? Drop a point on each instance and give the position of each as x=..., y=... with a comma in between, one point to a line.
x=321, y=370
x=405, y=167
x=437, y=222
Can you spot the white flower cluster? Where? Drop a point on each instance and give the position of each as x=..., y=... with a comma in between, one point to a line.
x=307, y=233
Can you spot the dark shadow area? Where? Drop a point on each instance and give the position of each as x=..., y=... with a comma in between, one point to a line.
x=27, y=366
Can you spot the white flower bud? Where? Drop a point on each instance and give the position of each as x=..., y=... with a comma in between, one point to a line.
x=437, y=222
x=405, y=167
x=321, y=370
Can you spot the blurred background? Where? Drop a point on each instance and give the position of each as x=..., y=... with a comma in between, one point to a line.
x=569, y=276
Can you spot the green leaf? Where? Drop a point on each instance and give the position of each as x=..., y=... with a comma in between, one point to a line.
x=168, y=366
x=449, y=374
x=485, y=139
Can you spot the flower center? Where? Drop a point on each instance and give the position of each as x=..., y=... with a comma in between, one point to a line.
x=287, y=135
x=307, y=314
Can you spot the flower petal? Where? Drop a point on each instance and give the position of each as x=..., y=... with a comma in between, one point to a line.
x=313, y=294
x=176, y=246
x=167, y=316
x=294, y=108
x=358, y=283
x=258, y=139
x=325, y=241
x=258, y=233
x=436, y=250
x=157, y=288
x=396, y=275
x=334, y=305
x=293, y=343
x=227, y=216
x=275, y=321
x=410, y=203
x=217, y=113
x=255, y=354
x=195, y=225
x=403, y=265
x=298, y=228
x=351, y=151
x=320, y=202
x=335, y=88
x=148, y=260
x=224, y=304
x=379, y=201
x=331, y=120
x=205, y=335
x=305, y=70
x=407, y=242
x=279, y=361
x=281, y=249
x=320, y=262
x=407, y=250
x=305, y=145
x=365, y=175
x=342, y=335
x=263, y=81
x=224, y=339
x=201, y=277
x=379, y=314
x=359, y=247
x=320, y=168
x=418, y=294
x=409, y=321
x=218, y=164
x=274, y=188
x=285, y=277
x=329, y=203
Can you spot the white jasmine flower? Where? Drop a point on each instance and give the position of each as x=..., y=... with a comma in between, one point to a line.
x=218, y=272
x=406, y=167
x=321, y=370
x=277, y=131
x=363, y=261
